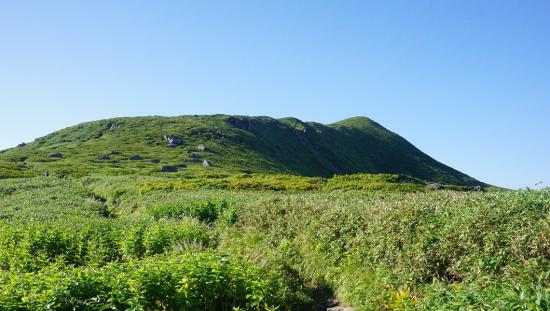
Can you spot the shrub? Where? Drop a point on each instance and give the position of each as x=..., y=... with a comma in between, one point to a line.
x=204, y=210
x=201, y=281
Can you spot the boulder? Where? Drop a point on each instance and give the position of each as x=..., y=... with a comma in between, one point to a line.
x=477, y=188
x=434, y=186
x=110, y=153
x=104, y=157
x=154, y=161
x=21, y=145
x=206, y=163
x=172, y=141
x=219, y=134
x=55, y=155
x=192, y=160
x=169, y=169
x=136, y=157
x=195, y=156
x=201, y=147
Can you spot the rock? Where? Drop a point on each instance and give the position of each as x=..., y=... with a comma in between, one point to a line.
x=113, y=126
x=169, y=169
x=110, y=153
x=136, y=157
x=104, y=157
x=434, y=186
x=195, y=156
x=206, y=163
x=477, y=188
x=193, y=160
x=21, y=145
x=55, y=155
x=172, y=141
x=154, y=161
x=219, y=134
x=46, y=173
x=201, y=147
x=242, y=123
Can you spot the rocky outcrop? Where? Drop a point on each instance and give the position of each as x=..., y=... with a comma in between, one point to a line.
x=104, y=157
x=169, y=169
x=172, y=141
x=434, y=186
x=242, y=123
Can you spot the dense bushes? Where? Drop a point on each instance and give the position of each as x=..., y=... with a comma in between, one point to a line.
x=202, y=281
x=391, y=251
x=30, y=246
x=98, y=244
x=204, y=210
x=383, y=182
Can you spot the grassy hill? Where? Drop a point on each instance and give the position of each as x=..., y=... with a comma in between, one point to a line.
x=232, y=144
x=287, y=216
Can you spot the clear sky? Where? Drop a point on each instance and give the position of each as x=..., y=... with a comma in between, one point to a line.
x=467, y=82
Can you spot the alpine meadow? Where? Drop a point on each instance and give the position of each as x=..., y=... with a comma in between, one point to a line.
x=349, y=155
x=253, y=213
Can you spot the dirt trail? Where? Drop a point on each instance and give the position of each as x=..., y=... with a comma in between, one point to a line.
x=324, y=300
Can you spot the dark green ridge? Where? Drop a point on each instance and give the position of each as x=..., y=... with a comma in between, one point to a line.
x=234, y=144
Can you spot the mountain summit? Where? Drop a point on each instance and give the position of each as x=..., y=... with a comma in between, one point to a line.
x=223, y=143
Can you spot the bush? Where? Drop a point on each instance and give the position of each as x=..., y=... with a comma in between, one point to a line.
x=386, y=250
x=202, y=281
x=274, y=182
x=31, y=246
x=204, y=210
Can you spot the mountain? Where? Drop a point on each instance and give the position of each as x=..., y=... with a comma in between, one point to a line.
x=149, y=145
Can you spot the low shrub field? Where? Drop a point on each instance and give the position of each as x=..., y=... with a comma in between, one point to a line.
x=148, y=243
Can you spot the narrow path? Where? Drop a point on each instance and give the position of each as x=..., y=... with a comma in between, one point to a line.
x=324, y=300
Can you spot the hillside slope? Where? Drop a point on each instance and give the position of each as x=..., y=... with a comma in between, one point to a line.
x=149, y=145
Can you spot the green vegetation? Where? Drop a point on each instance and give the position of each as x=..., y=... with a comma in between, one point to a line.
x=233, y=144
x=203, y=281
x=145, y=242
x=288, y=215
x=386, y=182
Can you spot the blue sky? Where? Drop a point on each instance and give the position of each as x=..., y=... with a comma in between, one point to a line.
x=468, y=82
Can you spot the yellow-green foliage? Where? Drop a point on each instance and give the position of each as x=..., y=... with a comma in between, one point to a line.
x=200, y=281
x=14, y=170
x=99, y=243
x=384, y=182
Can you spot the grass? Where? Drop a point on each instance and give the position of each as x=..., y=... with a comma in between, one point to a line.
x=234, y=144
x=268, y=242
